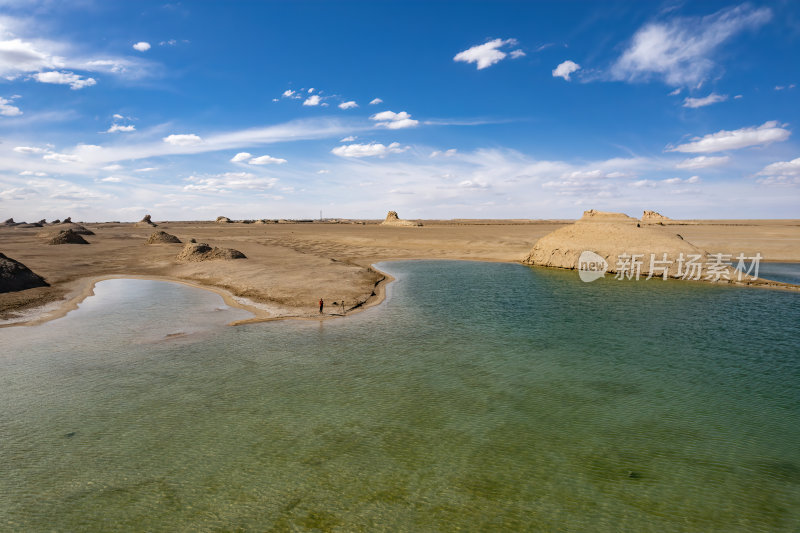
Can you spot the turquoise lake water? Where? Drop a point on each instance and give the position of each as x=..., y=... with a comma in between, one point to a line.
x=478, y=397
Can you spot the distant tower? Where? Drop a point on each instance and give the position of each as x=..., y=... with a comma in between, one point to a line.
x=320, y=215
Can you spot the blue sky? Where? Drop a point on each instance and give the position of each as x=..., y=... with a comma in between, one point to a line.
x=190, y=110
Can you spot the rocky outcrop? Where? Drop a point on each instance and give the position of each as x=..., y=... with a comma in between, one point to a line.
x=627, y=247
x=14, y=276
x=653, y=217
x=200, y=251
x=162, y=237
x=67, y=236
x=393, y=220
x=146, y=222
x=223, y=220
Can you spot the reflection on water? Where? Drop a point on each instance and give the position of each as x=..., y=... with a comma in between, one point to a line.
x=479, y=396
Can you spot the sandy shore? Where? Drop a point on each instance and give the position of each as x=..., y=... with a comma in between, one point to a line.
x=290, y=266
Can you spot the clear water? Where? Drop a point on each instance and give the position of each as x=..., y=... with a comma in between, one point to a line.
x=478, y=397
x=785, y=272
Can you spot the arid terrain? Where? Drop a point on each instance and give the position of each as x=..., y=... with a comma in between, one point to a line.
x=289, y=266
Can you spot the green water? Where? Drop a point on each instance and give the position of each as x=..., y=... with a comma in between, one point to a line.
x=478, y=397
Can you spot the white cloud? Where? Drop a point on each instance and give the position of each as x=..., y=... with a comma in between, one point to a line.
x=112, y=179
x=394, y=121
x=311, y=90
x=784, y=87
x=241, y=156
x=348, y=105
x=267, y=160
x=447, y=153
x=30, y=150
x=312, y=100
x=485, y=55
x=61, y=158
x=74, y=81
x=702, y=161
x=117, y=116
x=7, y=109
x=376, y=101
x=112, y=168
x=141, y=46
x=565, y=69
x=349, y=138
x=781, y=173
x=146, y=169
x=712, y=98
x=517, y=53
x=187, y=139
x=288, y=93
x=120, y=128
x=768, y=132
x=368, y=150
x=32, y=173
x=680, y=51
x=323, y=171
x=222, y=183
x=676, y=92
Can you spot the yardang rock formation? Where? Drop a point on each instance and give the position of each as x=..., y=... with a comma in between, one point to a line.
x=14, y=276
x=393, y=220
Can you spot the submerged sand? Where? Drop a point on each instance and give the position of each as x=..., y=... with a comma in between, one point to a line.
x=290, y=266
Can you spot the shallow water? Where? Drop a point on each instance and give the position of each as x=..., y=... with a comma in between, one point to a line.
x=479, y=396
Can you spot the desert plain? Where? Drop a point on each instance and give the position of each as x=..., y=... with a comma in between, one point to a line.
x=290, y=266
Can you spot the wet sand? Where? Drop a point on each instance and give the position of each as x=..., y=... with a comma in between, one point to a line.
x=290, y=266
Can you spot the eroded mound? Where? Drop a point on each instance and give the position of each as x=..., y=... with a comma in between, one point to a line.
x=393, y=220
x=14, y=276
x=146, y=222
x=67, y=236
x=200, y=251
x=627, y=247
x=223, y=220
x=161, y=237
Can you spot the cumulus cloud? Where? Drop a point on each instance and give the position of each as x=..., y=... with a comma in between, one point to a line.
x=267, y=160
x=485, y=55
x=20, y=55
x=702, y=161
x=7, y=109
x=368, y=150
x=142, y=46
x=288, y=93
x=183, y=139
x=376, y=101
x=781, y=173
x=679, y=51
x=394, y=121
x=241, y=156
x=767, y=133
x=712, y=98
x=74, y=81
x=312, y=100
x=115, y=128
x=348, y=105
x=565, y=69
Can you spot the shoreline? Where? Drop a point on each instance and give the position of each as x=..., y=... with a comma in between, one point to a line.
x=86, y=289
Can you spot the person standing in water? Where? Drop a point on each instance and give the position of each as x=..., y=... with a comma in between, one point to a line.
x=321, y=304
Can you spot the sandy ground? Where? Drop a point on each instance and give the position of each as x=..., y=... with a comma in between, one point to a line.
x=290, y=266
